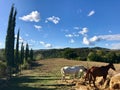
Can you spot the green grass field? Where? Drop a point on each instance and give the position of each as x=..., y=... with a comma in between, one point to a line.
x=46, y=75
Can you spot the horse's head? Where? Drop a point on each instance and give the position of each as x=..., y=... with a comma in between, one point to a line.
x=85, y=69
x=111, y=66
x=82, y=69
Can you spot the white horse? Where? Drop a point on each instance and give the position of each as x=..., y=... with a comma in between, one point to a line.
x=74, y=70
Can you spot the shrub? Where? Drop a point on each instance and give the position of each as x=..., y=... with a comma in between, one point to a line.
x=39, y=57
x=81, y=58
x=25, y=66
x=3, y=68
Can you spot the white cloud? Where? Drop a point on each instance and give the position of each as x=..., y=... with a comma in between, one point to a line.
x=91, y=13
x=41, y=42
x=86, y=41
x=115, y=37
x=46, y=45
x=26, y=35
x=38, y=27
x=69, y=35
x=20, y=39
x=53, y=19
x=84, y=31
x=32, y=41
x=115, y=46
x=77, y=28
x=94, y=39
x=72, y=35
x=72, y=41
x=59, y=47
x=33, y=16
x=75, y=34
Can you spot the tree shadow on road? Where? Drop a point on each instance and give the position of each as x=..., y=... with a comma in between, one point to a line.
x=34, y=83
x=16, y=84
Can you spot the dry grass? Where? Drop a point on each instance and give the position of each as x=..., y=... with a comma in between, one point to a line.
x=46, y=75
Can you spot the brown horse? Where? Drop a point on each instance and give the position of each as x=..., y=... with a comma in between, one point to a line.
x=93, y=72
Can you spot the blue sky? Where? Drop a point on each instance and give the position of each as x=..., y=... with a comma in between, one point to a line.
x=46, y=24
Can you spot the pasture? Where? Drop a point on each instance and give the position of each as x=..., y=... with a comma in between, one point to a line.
x=45, y=75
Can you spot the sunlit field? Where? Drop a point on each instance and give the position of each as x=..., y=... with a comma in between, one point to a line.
x=45, y=75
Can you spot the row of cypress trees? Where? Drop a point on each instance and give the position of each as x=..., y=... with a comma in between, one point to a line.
x=15, y=58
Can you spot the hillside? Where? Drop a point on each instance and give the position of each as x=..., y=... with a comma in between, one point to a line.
x=81, y=54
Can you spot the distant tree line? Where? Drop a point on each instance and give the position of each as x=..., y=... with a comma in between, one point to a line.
x=81, y=54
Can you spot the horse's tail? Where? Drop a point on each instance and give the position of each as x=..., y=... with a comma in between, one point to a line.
x=61, y=70
x=62, y=73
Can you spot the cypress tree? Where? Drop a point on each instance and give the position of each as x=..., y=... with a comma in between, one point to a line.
x=17, y=61
x=31, y=54
x=31, y=58
x=9, y=43
x=22, y=54
x=27, y=52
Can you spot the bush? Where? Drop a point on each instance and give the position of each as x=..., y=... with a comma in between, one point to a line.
x=25, y=66
x=3, y=68
x=39, y=57
x=69, y=54
x=81, y=58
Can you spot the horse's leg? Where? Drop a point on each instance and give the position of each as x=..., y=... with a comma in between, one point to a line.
x=82, y=74
x=104, y=78
x=94, y=79
x=76, y=74
x=86, y=76
x=63, y=78
x=90, y=78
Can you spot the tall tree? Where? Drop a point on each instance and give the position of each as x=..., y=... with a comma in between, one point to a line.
x=21, y=56
x=27, y=52
x=17, y=59
x=31, y=54
x=9, y=43
x=31, y=58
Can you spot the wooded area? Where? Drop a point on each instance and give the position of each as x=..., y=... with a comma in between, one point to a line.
x=83, y=54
